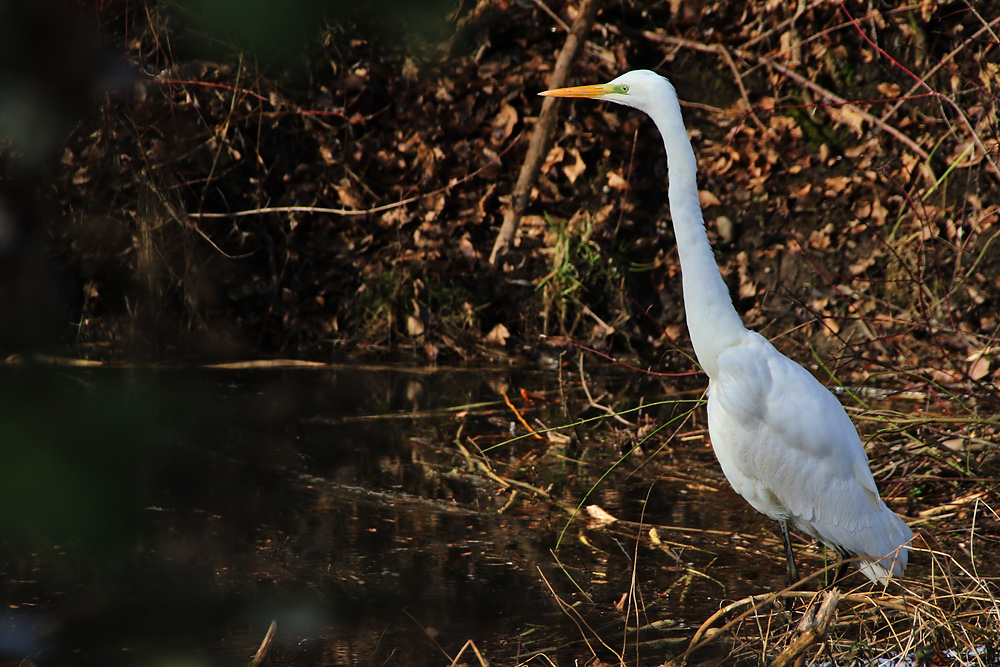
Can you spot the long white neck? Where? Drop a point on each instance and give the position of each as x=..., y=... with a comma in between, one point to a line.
x=712, y=320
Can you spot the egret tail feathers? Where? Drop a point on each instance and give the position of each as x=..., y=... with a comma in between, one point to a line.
x=882, y=569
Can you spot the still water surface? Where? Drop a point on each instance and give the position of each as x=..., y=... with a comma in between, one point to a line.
x=167, y=516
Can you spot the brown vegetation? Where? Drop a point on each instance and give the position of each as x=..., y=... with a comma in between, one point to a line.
x=345, y=201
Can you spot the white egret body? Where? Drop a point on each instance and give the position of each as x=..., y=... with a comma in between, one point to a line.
x=783, y=440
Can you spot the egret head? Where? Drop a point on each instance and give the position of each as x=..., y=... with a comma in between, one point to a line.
x=640, y=89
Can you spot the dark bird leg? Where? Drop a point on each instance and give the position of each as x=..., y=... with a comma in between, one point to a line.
x=845, y=562
x=792, y=576
x=793, y=571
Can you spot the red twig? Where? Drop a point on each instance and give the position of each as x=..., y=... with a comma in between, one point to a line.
x=563, y=341
x=209, y=84
x=931, y=91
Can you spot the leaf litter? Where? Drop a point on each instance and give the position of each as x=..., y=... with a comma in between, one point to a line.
x=216, y=209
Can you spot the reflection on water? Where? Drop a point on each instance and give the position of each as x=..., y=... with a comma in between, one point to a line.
x=170, y=515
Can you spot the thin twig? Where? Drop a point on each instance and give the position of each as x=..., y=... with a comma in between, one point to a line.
x=541, y=136
x=721, y=51
x=552, y=15
x=812, y=628
x=261, y=657
x=590, y=399
x=798, y=78
x=948, y=57
x=931, y=91
x=874, y=120
x=517, y=413
x=354, y=212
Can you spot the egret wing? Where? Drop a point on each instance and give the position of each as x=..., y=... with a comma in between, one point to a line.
x=787, y=445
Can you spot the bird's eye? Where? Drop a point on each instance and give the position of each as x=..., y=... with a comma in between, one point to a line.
x=624, y=89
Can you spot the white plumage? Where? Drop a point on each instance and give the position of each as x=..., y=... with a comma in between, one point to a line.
x=783, y=440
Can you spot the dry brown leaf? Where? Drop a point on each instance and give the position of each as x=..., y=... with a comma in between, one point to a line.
x=979, y=362
x=790, y=47
x=394, y=217
x=410, y=70
x=979, y=368
x=467, y=250
x=858, y=267
x=615, y=181
x=748, y=287
x=674, y=331
x=82, y=176
x=724, y=226
x=819, y=304
x=820, y=238
x=483, y=205
x=554, y=157
x=414, y=326
x=498, y=335
x=889, y=89
x=879, y=212
x=974, y=294
x=943, y=376
x=720, y=166
x=327, y=154
x=574, y=170
x=858, y=150
x=909, y=162
x=987, y=219
x=348, y=197
x=598, y=513
x=434, y=204
x=800, y=191
x=836, y=185
x=503, y=124
x=849, y=117
x=954, y=444
x=708, y=199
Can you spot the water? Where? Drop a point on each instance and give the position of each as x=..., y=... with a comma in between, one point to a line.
x=167, y=516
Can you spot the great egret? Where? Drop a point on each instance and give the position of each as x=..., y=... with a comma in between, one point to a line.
x=784, y=441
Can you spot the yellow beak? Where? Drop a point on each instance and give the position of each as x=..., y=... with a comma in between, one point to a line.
x=591, y=91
